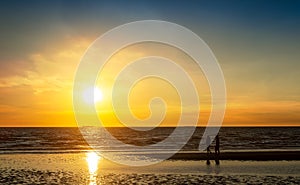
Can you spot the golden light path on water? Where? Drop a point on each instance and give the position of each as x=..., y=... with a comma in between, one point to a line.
x=93, y=159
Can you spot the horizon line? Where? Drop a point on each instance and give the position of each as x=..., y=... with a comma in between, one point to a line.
x=146, y=126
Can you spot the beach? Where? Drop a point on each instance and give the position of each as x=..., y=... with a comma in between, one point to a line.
x=62, y=156
x=47, y=177
x=77, y=168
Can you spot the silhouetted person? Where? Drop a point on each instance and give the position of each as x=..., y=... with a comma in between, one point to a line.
x=207, y=149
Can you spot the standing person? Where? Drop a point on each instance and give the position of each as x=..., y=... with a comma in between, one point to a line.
x=207, y=149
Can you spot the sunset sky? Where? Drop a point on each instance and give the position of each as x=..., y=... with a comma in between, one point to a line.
x=256, y=43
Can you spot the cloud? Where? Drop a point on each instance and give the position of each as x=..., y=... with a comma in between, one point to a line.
x=263, y=113
x=45, y=71
x=38, y=89
x=15, y=67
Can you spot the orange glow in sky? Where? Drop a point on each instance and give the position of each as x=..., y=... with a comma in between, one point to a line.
x=40, y=52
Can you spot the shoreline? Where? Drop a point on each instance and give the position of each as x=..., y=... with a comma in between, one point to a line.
x=256, y=155
x=242, y=156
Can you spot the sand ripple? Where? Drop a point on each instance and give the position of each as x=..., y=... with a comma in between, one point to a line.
x=22, y=176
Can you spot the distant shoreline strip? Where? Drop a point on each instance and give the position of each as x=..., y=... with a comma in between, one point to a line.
x=247, y=156
x=186, y=155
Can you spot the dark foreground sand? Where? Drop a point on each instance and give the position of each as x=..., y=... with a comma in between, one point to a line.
x=10, y=176
x=75, y=169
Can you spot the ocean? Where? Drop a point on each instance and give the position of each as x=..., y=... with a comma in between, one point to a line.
x=65, y=140
x=62, y=156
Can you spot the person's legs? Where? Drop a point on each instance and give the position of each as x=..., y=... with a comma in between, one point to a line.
x=217, y=152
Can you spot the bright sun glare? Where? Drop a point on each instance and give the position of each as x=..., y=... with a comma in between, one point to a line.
x=92, y=159
x=98, y=94
x=88, y=95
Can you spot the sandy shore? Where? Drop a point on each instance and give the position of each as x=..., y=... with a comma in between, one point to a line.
x=76, y=168
x=247, y=155
x=66, y=177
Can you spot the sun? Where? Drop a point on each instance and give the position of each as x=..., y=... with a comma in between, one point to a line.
x=98, y=95
x=90, y=92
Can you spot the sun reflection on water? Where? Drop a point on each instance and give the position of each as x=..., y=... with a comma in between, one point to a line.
x=92, y=159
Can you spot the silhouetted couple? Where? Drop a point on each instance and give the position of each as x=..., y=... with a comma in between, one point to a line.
x=217, y=150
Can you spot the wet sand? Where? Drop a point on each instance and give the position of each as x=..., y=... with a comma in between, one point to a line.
x=74, y=168
x=246, y=155
x=67, y=177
